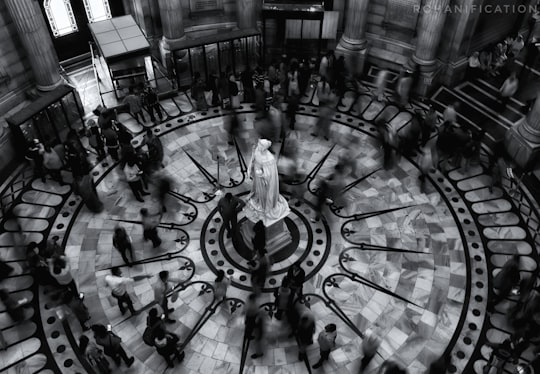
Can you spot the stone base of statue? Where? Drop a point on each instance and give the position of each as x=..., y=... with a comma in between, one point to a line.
x=277, y=235
x=277, y=232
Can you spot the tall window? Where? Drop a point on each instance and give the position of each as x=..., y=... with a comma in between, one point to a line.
x=97, y=10
x=60, y=16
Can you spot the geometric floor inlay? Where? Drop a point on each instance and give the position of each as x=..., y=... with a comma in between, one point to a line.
x=413, y=266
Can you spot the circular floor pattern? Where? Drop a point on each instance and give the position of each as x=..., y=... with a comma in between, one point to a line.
x=310, y=245
x=412, y=266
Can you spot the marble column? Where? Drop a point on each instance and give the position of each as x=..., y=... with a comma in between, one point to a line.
x=37, y=42
x=429, y=32
x=522, y=141
x=247, y=19
x=353, y=42
x=172, y=23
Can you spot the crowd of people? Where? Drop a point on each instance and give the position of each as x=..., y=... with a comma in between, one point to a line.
x=276, y=92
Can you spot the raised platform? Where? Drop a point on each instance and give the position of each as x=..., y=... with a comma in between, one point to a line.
x=277, y=235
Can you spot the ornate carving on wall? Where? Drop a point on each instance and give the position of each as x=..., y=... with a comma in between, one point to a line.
x=402, y=14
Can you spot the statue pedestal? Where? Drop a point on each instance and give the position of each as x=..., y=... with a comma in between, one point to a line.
x=277, y=235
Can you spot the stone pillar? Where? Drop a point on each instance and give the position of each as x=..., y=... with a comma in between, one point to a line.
x=247, y=19
x=172, y=24
x=522, y=141
x=429, y=32
x=353, y=42
x=37, y=42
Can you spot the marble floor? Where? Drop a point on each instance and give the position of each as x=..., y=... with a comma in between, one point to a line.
x=411, y=266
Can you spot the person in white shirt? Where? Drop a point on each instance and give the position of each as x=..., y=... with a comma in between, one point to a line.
x=475, y=66
x=118, y=286
x=449, y=114
x=507, y=90
x=133, y=177
x=517, y=46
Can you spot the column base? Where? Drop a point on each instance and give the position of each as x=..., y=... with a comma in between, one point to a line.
x=50, y=87
x=168, y=45
x=355, y=53
x=523, y=145
x=277, y=235
x=427, y=76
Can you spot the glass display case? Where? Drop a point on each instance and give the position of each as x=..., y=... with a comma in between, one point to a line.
x=48, y=119
x=214, y=54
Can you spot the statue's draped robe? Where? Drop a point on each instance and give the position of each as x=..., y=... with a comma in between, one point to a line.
x=264, y=201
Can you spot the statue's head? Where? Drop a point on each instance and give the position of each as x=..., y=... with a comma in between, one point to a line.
x=264, y=144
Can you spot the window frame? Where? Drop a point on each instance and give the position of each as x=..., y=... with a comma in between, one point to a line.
x=88, y=10
x=52, y=20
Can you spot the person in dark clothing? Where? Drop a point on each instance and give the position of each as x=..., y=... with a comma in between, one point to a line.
x=5, y=270
x=35, y=156
x=390, y=367
x=292, y=108
x=155, y=149
x=247, y=82
x=370, y=344
x=14, y=308
x=259, y=267
x=111, y=344
x=150, y=223
x=259, y=237
x=212, y=85
x=151, y=103
x=122, y=242
x=164, y=186
x=409, y=142
x=304, y=75
x=134, y=103
x=283, y=298
x=439, y=365
x=76, y=305
x=224, y=93
x=428, y=125
x=95, y=139
x=304, y=330
x=297, y=277
x=111, y=141
x=251, y=314
x=88, y=192
x=259, y=333
x=505, y=281
x=228, y=207
x=40, y=269
x=197, y=92
x=124, y=135
x=165, y=344
x=327, y=341
x=232, y=127
x=260, y=101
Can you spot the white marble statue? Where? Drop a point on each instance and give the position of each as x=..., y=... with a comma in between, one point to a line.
x=264, y=202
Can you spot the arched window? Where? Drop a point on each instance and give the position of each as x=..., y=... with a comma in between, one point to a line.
x=60, y=16
x=97, y=10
